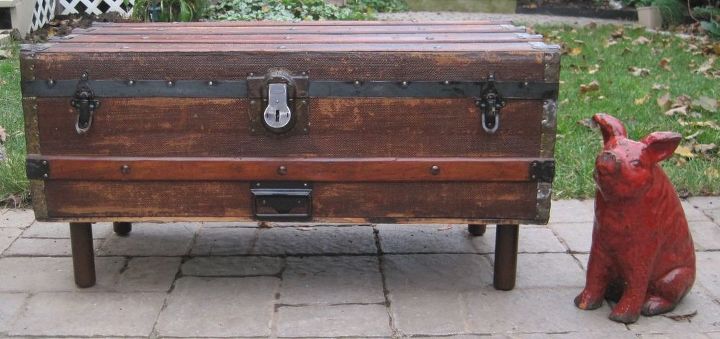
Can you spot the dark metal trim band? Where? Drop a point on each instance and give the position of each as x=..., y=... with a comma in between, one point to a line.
x=318, y=88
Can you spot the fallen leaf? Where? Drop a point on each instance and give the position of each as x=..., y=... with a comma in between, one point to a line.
x=3, y=135
x=704, y=148
x=593, y=69
x=5, y=54
x=677, y=110
x=587, y=122
x=665, y=64
x=684, y=151
x=683, y=100
x=706, y=66
x=591, y=87
x=693, y=136
x=716, y=48
x=680, y=317
x=641, y=41
x=618, y=33
x=643, y=100
x=639, y=72
x=265, y=224
x=708, y=104
x=575, y=51
x=610, y=42
x=660, y=87
x=710, y=124
x=665, y=102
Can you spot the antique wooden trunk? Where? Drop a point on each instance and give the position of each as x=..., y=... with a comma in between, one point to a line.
x=381, y=122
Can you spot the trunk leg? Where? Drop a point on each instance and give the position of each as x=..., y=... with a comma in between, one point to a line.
x=477, y=229
x=122, y=228
x=506, y=248
x=82, y=253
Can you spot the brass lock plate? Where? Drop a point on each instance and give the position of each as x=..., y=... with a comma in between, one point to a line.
x=278, y=103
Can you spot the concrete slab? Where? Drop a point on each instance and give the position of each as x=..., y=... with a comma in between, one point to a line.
x=549, y=270
x=172, y=239
x=708, y=272
x=18, y=218
x=224, y=241
x=37, y=247
x=233, y=266
x=10, y=306
x=706, y=235
x=333, y=321
x=425, y=273
x=563, y=211
x=315, y=240
x=698, y=300
x=89, y=314
x=576, y=236
x=62, y=230
x=149, y=274
x=7, y=236
x=433, y=238
x=692, y=213
x=42, y=274
x=219, y=307
x=332, y=280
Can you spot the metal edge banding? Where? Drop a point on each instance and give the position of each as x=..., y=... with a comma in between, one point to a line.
x=317, y=88
x=37, y=195
x=544, y=200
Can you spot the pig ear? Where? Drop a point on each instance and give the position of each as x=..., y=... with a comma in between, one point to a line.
x=660, y=146
x=610, y=126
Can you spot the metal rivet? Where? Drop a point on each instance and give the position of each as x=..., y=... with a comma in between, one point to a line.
x=131, y=82
x=304, y=73
x=170, y=84
x=446, y=82
x=282, y=47
x=252, y=102
x=526, y=84
x=252, y=130
x=210, y=83
x=34, y=107
x=257, y=184
x=44, y=162
x=305, y=184
x=404, y=84
x=51, y=82
x=304, y=102
x=45, y=175
x=282, y=170
x=435, y=170
x=124, y=169
x=84, y=76
x=251, y=74
x=357, y=83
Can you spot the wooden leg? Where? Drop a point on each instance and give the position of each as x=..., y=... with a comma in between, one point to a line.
x=477, y=229
x=83, y=254
x=122, y=228
x=506, y=247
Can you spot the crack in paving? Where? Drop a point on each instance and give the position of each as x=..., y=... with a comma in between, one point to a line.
x=396, y=333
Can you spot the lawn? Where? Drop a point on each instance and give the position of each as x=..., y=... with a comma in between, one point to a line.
x=596, y=60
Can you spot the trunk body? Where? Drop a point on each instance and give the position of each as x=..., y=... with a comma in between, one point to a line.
x=386, y=122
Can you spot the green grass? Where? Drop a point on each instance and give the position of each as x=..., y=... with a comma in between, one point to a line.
x=577, y=145
x=13, y=182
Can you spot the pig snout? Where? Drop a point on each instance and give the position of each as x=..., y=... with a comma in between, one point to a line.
x=607, y=163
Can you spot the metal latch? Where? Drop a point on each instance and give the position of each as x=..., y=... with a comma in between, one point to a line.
x=490, y=105
x=85, y=104
x=278, y=103
x=277, y=115
x=278, y=200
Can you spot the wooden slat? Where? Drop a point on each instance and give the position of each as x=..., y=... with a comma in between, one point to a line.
x=425, y=38
x=286, y=48
x=376, y=202
x=296, y=169
x=301, y=23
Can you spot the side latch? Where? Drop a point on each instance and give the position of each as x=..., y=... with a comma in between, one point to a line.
x=543, y=171
x=490, y=104
x=85, y=104
x=278, y=103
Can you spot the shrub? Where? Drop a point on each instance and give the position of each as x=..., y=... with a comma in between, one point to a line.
x=290, y=10
x=170, y=10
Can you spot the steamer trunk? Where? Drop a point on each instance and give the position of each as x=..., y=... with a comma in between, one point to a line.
x=324, y=121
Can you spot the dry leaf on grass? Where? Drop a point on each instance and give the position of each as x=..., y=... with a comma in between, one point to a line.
x=575, y=51
x=591, y=87
x=639, y=72
x=643, y=100
x=684, y=151
x=677, y=110
x=619, y=33
x=660, y=87
x=706, y=66
x=708, y=104
x=593, y=69
x=665, y=102
x=704, y=148
x=587, y=122
x=641, y=41
x=712, y=173
x=3, y=135
x=665, y=64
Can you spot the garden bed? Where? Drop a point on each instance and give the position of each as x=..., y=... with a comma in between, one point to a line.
x=582, y=8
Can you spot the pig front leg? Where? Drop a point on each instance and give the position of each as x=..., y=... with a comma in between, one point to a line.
x=637, y=279
x=597, y=280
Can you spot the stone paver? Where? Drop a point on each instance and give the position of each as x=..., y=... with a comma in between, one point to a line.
x=33, y=247
x=437, y=272
x=576, y=236
x=708, y=272
x=224, y=241
x=692, y=213
x=10, y=306
x=573, y=211
x=334, y=321
x=706, y=235
x=89, y=314
x=39, y=274
x=7, y=236
x=707, y=318
x=152, y=240
x=219, y=307
x=149, y=274
x=398, y=238
x=232, y=266
x=17, y=218
x=549, y=270
x=228, y=224
x=710, y=206
x=62, y=230
x=332, y=280
x=315, y=240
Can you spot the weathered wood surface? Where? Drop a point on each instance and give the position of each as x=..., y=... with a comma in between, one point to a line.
x=302, y=23
x=295, y=169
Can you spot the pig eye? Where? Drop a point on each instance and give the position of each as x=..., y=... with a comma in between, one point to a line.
x=635, y=163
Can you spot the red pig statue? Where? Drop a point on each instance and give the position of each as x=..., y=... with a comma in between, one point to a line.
x=642, y=254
